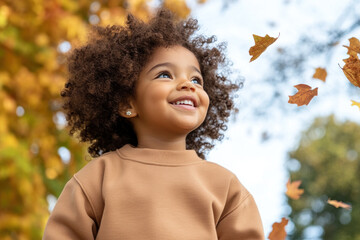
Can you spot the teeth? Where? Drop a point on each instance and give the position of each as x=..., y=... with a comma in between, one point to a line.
x=184, y=102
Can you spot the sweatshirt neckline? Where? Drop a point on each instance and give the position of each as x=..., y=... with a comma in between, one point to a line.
x=159, y=156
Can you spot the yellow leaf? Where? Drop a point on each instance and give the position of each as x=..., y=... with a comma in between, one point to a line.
x=320, y=73
x=304, y=95
x=355, y=103
x=261, y=43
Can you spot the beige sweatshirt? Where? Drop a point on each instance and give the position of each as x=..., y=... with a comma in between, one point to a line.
x=149, y=194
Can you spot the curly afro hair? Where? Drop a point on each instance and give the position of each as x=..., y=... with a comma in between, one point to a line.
x=103, y=75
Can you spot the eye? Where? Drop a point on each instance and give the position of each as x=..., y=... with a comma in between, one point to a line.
x=196, y=80
x=164, y=75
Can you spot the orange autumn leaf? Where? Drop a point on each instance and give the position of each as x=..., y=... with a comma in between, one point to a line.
x=355, y=103
x=338, y=204
x=354, y=47
x=304, y=95
x=292, y=189
x=320, y=73
x=278, y=230
x=351, y=68
x=261, y=43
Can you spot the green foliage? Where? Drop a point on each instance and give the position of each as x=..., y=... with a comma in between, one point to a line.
x=329, y=155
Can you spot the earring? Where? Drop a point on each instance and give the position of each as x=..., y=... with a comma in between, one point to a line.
x=128, y=113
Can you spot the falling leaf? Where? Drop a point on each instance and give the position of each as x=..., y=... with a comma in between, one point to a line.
x=304, y=95
x=261, y=43
x=278, y=230
x=338, y=204
x=354, y=47
x=320, y=73
x=351, y=68
x=293, y=190
x=355, y=103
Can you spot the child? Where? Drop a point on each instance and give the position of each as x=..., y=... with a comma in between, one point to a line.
x=143, y=95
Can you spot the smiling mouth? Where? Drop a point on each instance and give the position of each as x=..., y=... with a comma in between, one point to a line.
x=184, y=103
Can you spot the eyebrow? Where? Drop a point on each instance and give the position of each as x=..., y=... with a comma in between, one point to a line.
x=167, y=64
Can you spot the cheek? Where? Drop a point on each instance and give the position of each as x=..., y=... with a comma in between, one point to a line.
x=154, y=97
x=205, y=100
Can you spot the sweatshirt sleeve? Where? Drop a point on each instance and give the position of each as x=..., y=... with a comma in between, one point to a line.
x=240, y=218
x=73, y=216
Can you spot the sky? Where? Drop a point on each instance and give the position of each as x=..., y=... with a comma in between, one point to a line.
x=261, y=166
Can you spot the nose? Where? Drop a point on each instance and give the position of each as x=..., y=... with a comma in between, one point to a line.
x=186, y=85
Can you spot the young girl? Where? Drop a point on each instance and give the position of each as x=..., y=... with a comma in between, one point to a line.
x=148, y=97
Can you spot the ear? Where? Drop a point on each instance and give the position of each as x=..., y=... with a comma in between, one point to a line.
x=128, y=111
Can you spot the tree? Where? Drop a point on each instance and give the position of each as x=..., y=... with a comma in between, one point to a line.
x=327, y=161
x=37, y=156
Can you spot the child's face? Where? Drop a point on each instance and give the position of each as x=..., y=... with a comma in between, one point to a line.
x=170, y=99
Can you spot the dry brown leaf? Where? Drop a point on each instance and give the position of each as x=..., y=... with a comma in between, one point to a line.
x=354, y=47
x=338, y=204
x=355, y=103
x=261, y=43
x=278, y=230
x=292, y=189
x=304, y=95
x=351, y=68
x=320, y=73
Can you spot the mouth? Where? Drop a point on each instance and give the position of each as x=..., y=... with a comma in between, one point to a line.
x=185, y=101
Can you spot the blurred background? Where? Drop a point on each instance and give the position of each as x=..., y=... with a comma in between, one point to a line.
x=267, y=142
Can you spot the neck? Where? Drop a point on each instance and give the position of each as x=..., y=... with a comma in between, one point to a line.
x=165, y=143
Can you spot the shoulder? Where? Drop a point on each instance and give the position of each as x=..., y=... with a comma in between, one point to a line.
x=97, y=166
x=218, y=170
x=227, y=177
x=91, y=177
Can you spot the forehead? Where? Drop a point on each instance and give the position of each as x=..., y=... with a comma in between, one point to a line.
x=174, y=54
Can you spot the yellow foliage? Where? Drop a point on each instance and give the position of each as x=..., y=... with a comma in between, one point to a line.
x=178, y=6
x=4, y=14
x=74, y=28
x=9, y=104
x=3, y=125
x=42, y=39
x=32, y=74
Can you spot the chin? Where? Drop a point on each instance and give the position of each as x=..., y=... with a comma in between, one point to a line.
x=189, y=128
